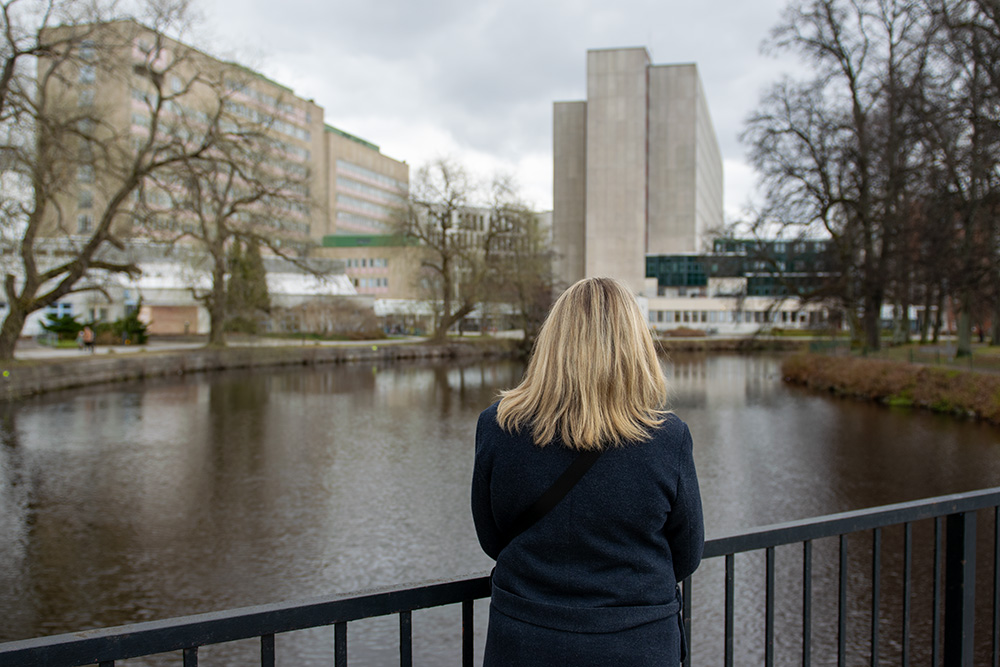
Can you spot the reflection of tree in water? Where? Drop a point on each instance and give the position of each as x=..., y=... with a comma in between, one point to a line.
x=14, y=526
x=8, y=419
x=339, y=379
x=237, y=413
x=473, y=385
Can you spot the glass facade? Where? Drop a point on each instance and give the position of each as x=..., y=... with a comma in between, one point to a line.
x=771, y=268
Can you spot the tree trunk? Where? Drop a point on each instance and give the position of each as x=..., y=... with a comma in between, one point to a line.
x=939, y=316
x=925, y=321
x=964, y=347
x=995, y=325
x=216, y=304
x=995, y=311
x=10, y=331
x=904, y=323
x=445, y=323
x=871, y=322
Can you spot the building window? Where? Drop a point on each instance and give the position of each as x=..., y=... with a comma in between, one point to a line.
x=88, y=74
x=83, y=223
x=86, y=97
x=87, y=50
x=85, y=174
x=59, y=309
x=86, y=199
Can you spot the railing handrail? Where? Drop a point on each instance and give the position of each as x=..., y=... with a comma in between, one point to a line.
x=217, y=627
x=174, y=634
x=831, y=525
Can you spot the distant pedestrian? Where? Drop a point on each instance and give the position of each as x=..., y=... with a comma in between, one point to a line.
x=88, y=339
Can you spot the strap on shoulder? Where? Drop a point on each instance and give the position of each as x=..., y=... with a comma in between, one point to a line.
x=552, y=495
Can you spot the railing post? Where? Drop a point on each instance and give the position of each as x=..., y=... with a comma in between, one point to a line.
x=960, y=589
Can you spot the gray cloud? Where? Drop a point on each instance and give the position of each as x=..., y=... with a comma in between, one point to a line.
x=486, y=74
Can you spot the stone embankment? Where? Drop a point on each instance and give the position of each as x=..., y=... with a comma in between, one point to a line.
x=899, y=384
x=27, y=378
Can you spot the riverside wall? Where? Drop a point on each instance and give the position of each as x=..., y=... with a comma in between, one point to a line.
x=32, y=377
x=29, y=378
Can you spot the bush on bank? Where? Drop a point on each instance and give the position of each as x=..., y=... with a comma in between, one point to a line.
x=899, y=384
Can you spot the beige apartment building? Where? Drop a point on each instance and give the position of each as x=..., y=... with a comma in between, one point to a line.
x=367, y=190
x=136, y=87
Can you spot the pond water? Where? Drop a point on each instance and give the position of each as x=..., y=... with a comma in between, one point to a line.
x=134, y=502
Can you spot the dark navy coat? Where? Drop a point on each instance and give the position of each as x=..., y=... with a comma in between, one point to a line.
x=594, y=580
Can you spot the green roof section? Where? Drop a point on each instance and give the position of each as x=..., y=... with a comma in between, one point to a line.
x=365, y=240
x=257, y=74
x=348, y=135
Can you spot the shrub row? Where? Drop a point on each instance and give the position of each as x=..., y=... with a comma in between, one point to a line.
x=899, y=384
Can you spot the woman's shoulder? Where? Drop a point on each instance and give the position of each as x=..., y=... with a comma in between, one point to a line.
x=489, y=415
x=488, y=424
x=673, y=431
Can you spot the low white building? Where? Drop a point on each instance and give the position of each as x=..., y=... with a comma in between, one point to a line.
x=723, y=308
x=169, y=279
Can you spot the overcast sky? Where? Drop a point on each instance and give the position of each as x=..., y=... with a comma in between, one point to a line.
x=476, y=80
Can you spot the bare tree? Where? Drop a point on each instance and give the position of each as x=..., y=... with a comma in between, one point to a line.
x=839, y=151
x=523, y=276
x=456, y=245
x=963, y=137
x=56, y=135
x=238, y=192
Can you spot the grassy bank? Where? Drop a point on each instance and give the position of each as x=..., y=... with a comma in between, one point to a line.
x=897, y=383
x=741, y=345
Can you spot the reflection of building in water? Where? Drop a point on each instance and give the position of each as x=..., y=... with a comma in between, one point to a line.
x=721, y=381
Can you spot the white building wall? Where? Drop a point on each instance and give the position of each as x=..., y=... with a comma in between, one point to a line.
x=685, y=164
x=709, y=213
x=650, y=162
x=616, y=165
x=569, y=190
x=729, y=316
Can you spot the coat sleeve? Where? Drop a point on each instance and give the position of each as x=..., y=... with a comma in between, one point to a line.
x=685, y=525
x=482, y=505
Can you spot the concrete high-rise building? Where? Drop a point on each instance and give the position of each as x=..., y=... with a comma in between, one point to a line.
x=637, y=168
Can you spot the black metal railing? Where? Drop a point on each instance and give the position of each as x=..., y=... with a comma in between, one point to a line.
x=954, y=548
x=955, y=522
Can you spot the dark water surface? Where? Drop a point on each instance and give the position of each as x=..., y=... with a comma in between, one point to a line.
x=138, y=502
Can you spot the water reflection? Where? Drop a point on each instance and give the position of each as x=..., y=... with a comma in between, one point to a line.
x=178, y=496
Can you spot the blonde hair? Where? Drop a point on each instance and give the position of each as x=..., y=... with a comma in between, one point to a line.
x=594, y=378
